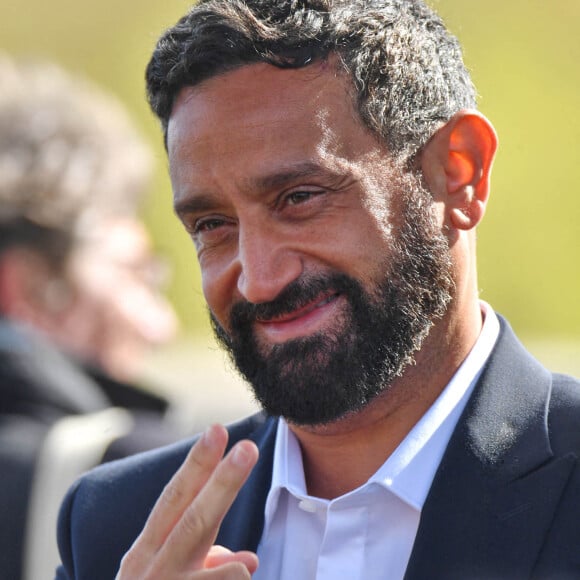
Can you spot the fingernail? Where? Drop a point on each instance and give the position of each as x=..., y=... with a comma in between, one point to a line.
x=209, y=437
x=241, y=457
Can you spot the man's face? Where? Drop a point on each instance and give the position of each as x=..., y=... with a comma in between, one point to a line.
x=119, y=312
x=321, y=264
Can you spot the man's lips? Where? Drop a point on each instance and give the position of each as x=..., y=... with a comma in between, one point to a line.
x=299, y=322
x=298, y=312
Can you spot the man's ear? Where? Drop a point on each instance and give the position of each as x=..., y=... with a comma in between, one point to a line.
x=457, y=162
x=24, y=278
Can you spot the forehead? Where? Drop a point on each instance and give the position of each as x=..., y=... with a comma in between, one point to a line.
x=253, y=91
x=259, y=113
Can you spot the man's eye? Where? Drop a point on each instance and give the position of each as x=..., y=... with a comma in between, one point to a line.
x=207, y=225
x=298, y=197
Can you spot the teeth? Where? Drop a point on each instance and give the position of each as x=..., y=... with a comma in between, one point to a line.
x=322, y=302
x=326, y=300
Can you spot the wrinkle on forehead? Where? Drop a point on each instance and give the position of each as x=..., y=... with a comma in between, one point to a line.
x=316, y=81
x=258, y=120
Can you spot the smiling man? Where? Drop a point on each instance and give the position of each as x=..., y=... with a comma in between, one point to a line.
x=303, y=226
x=330, y=165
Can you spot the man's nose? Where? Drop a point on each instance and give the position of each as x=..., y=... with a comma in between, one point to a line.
x=267, y=265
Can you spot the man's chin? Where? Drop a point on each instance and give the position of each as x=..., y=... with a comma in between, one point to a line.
x=325, y=423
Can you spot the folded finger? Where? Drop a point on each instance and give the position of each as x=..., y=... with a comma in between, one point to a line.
x=229, y=571
x=218, y=556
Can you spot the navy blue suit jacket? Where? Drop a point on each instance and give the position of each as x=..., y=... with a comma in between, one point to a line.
x=504, y=504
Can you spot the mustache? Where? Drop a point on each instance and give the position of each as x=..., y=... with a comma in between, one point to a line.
x=297, y=294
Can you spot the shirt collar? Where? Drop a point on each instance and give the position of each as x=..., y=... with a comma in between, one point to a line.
x=409, y=471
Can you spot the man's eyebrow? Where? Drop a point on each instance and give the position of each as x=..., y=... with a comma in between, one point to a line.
x=203, y=201
x=289, y=175
x=197, y=203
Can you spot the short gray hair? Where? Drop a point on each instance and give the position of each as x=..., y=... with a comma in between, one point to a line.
x=68, y=153
x=406, y=68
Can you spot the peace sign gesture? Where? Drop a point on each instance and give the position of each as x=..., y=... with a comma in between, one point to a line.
x=177, y=540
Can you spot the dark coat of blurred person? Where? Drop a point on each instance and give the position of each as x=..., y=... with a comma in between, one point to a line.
x=80, y=301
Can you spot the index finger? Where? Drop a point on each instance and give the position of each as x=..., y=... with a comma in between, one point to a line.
x=183, y=487
x=191, y=539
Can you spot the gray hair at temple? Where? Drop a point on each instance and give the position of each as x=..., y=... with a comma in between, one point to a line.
x=407, y=70
x=69, y=155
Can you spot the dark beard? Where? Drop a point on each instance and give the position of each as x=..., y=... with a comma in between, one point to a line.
x=323, y=377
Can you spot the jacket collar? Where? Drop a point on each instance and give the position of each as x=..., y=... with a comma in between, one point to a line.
x=38, y=380
x=497, y=475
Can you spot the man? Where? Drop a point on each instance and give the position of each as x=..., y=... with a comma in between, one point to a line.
x=73, y=173
x=330, y=165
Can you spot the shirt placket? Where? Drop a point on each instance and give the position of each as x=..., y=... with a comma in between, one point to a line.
x=342, y=552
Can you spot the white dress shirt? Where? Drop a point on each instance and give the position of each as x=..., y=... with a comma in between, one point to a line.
x=368, y=533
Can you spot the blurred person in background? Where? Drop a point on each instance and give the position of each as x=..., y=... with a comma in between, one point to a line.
x=80, y=300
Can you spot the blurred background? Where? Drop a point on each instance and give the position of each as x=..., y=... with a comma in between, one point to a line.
x=524, y=57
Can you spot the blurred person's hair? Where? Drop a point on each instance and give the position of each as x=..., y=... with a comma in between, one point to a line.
x=69, y=155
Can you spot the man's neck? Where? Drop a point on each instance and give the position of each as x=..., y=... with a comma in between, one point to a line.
x=343, y=455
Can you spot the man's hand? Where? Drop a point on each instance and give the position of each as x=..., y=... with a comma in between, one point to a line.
x=177, y=540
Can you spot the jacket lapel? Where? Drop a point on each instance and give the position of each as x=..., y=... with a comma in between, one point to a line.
x=242, y=527
x=498, y=486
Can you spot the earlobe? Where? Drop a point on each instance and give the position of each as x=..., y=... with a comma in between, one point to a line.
x=467, y=217
x=461, y=153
